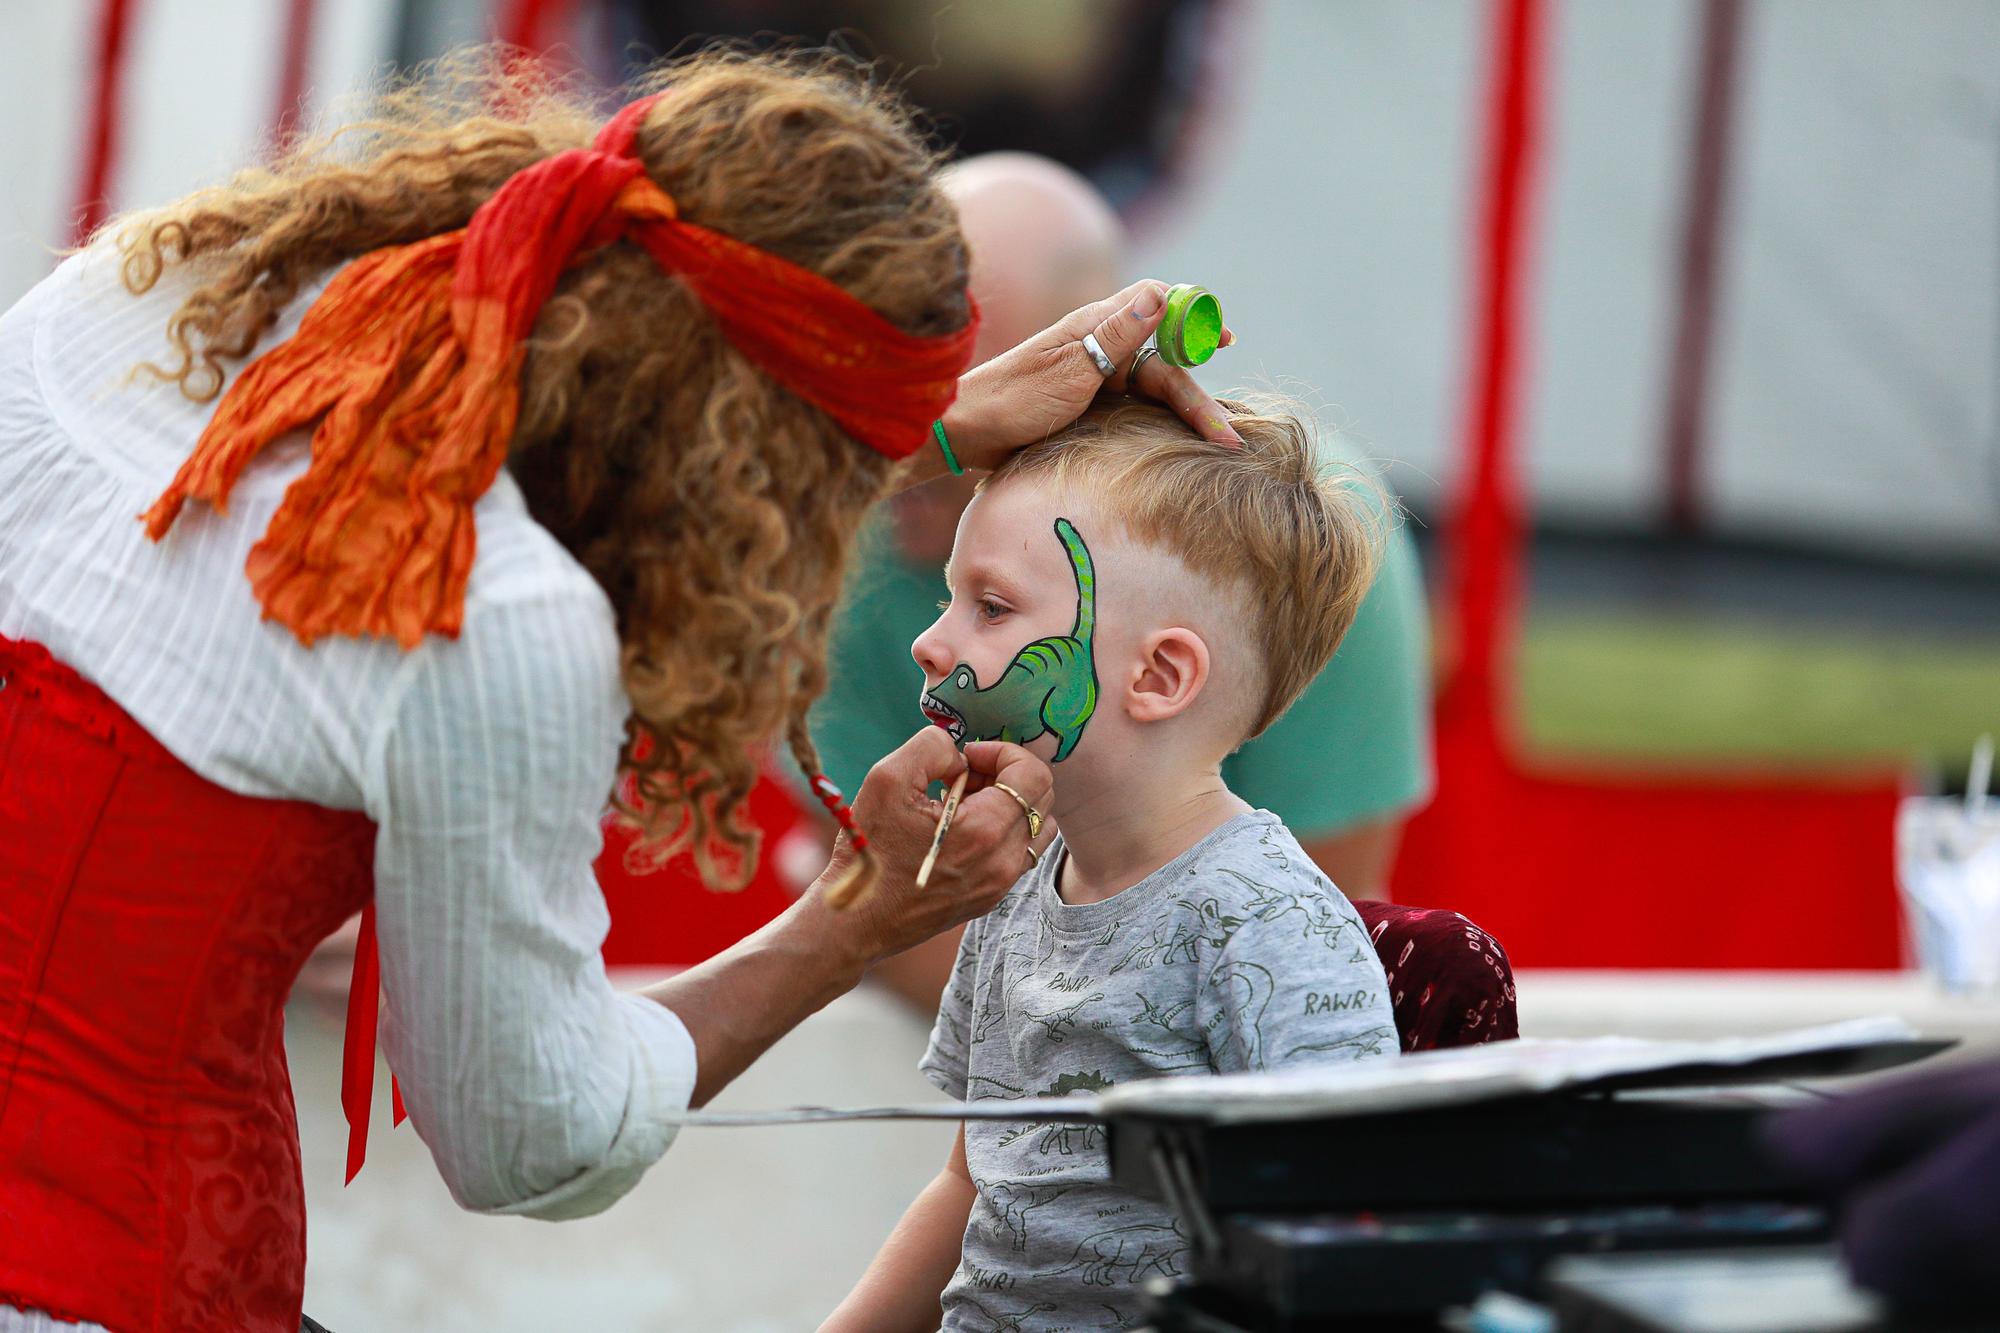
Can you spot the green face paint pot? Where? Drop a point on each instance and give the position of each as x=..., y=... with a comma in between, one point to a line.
x=1192, y=329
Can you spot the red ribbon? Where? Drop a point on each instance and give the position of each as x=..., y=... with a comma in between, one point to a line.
x=409, y=362
x=357, y=1064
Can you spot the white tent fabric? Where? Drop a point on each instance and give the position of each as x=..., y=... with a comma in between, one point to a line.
x=1854, y=384
x=199, y=94
x=1855, y=377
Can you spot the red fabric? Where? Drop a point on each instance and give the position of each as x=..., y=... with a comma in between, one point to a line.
x=107, y=86
x=1487, y=538
x=294, y=58
x=1581, y=869
x=357, y=1056
x=151, y=925
x=1704, y=208
x=1603, y=869
x=668, y=917
x=1449, y=981
x=530, y=23
x=409, y=362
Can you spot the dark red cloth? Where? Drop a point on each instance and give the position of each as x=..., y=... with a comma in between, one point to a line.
x=151, y=924
x=1449, y=981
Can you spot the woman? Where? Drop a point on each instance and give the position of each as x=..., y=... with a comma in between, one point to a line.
x=541, y=481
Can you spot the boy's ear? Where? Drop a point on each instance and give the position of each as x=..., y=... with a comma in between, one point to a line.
x=1171, y=670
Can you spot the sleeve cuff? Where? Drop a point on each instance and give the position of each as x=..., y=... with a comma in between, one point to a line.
x=944, y=1077
x=662, y=1084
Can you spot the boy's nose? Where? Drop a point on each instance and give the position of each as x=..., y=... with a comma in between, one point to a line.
x=930, y=652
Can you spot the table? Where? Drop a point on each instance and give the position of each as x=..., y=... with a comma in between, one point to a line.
x=1560, y=1003
x=762, y=1230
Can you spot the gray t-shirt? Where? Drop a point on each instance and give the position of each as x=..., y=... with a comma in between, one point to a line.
x=1237, y=954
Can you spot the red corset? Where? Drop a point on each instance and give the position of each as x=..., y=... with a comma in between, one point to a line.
x=151, y=924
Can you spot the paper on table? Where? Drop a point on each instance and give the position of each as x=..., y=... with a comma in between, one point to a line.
x=1076, y=1106
x=1482, y=1073
x=1410, y=1082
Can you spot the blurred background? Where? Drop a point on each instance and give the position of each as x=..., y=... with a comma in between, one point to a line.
x=1697, y=430
x=1765, y=484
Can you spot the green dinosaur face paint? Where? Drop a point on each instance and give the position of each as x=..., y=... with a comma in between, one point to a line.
x=1049, y=688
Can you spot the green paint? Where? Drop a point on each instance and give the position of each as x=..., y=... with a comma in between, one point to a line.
x=1049, y=688
x=1201, y=334
x=1192, y=329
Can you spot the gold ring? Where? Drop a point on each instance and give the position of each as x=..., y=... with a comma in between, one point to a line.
x=1034, y=857
x=1034, y=815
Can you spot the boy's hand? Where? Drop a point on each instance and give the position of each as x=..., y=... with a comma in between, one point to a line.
x=982, y=856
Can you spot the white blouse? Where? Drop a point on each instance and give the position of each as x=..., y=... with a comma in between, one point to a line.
x=483, y=761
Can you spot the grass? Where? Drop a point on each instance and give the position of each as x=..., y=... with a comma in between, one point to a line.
x=1688, y=692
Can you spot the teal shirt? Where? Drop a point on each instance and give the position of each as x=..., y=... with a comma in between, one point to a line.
x=1354, y=748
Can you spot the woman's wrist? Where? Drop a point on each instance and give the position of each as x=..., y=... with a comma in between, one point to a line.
x=965, y=437
x=965, y=422
x=843, y=946
x=736, y=1004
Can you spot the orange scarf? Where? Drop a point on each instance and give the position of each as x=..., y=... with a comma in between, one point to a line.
x=410, y=362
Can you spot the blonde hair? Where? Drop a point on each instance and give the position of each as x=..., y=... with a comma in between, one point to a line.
x=716, y=509
x=1299, y=541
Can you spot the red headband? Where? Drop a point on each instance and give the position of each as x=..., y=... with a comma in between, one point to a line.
x=410, y=361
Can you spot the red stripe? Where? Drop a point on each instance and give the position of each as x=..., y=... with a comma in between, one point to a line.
x=1708, y=179
x=294, y=59
x=1579, y=868
x=1488, y=537
x=114, y=22
x=530, y=23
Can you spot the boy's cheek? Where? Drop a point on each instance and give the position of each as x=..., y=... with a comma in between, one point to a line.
x=986, y=663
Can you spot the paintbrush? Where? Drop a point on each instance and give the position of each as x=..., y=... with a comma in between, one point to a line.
x=951, y=800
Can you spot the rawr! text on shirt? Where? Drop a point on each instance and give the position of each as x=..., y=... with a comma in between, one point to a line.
x=1317, y=1003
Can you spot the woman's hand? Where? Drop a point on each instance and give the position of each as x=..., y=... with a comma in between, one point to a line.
x=1022, y=395
x=982, y=856
x=746, y=997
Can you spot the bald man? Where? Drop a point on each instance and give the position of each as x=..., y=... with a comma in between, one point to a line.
x=1039, y=235
x=1345, y=765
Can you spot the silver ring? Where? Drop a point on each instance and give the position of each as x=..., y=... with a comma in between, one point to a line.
x=1105, y=365
x=1139, y=359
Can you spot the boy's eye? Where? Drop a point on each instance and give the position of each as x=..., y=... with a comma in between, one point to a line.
x=990, y=609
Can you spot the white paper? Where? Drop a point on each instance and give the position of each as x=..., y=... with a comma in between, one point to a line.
x=1474, y=1073
x=1409, y=1082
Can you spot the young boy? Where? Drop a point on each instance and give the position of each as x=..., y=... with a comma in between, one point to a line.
x=1131, y=603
